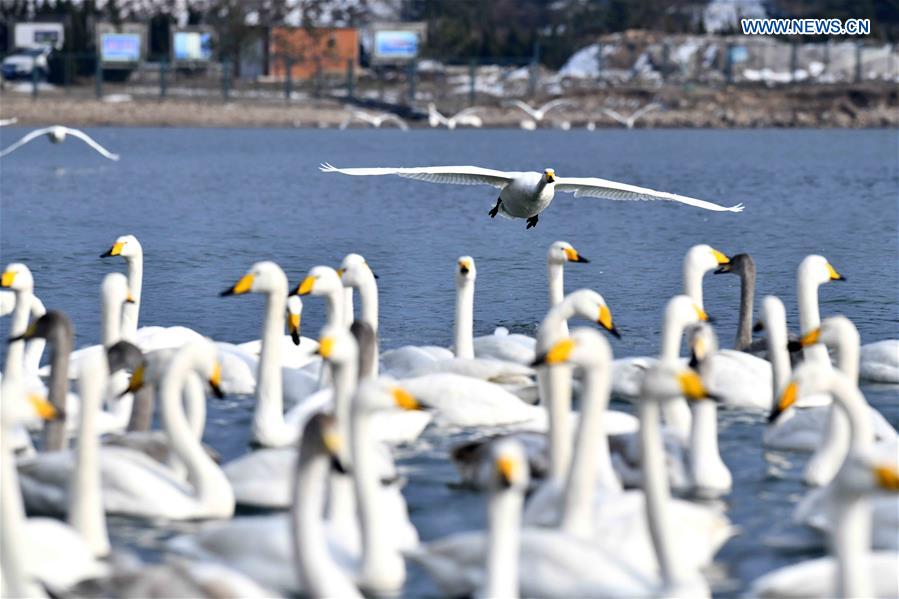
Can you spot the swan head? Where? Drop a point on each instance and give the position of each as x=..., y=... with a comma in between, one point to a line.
x=817, y=270
x=833, y=332
x=809, y=378
x=202, y=355
x=703, y=258
x=126, y=246
x=17, y=276
x=740, y=264
x=586, y=348
x=383, y=394
x=354, y=270
x=703, y=344
x=127, y=356
x=263, y=277
x=18, y=407
x=57, y=134
x=664, y=382
x=321, y=280
x=52, y=326
x=294, y=317
x=549, y=176
x=510, y=466
x=683, y=312
x=337, y=345
x=561, y=252
x=114, y=290
x=466, y=273
x=591, y=306
x=774, y=316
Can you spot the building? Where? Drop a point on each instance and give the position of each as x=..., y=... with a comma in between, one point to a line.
x=309, y=51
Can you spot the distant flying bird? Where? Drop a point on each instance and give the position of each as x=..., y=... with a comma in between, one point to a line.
x=538, y=114
x=464, y=117
x=12, y=121
x=375, y=120
x=57, y=134
x=632, y=119
x=526, y=195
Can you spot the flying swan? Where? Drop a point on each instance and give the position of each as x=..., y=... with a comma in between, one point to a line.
x=57, y=134
x=526, y=195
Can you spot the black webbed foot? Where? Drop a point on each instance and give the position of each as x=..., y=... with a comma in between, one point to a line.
x=532, y=222
x=495, y=210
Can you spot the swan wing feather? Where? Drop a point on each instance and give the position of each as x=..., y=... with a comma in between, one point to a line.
x=610, y=190
x=456, y=175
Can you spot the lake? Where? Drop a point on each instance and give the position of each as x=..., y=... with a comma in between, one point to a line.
x=207, y=203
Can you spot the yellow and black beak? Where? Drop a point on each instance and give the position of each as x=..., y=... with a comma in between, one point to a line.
x=115, y=250
x=701, y=314
x=244, y=285
x=834, y=275
x=44, y=409
x=722, y=259
x=404, y=400
x=136, y=382
x=692, y=387
x=887, y=478
x=332, y=441
x=325, y=347
x=605, y=321
x=129, y=299
x=573, y=256
x=811, y=338
x=787, y=399
x=550, y=175
x=507, y=470
x=29, y=333
x=305, y=286
x=215, y=380
x=557, y=354
x=7, y=279
x=293, y=327
x=464, y=267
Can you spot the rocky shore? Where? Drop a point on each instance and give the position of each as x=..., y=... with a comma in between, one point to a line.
x=870, y=105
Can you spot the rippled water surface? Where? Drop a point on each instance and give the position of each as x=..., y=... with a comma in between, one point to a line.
x=208, y=203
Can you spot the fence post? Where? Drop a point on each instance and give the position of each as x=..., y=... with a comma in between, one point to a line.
x=288, y=78
x=67, y=73
x=472, y=75
x=858, y=62
x=226, y=79
x=98, y=77
x=350, y=79
x=413, y=73
x=163, y=88
x=729, y=63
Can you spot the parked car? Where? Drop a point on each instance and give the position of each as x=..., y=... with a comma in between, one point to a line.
x=23, y=62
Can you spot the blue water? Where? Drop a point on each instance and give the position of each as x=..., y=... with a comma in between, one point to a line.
x=207, y=203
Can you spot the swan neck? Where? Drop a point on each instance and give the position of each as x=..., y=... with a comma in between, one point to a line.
x=705, y=458
x=747, y=294
x=693, y=282
x=809, y=316
x=851, y=545
x=55, y=430
x=111, y=322
x=86, y=513
x=555, y=392
x=131, y=311
x=503, y=543
x=655, y=490
x=591, y=458
x=349, y=309
x=141, y=418
x=368, y=297
x=556, y=274
x=464, y=323
x=777, y=353
x=849, y=354
x=269, y=412
x=15, y=351
x=335, y=302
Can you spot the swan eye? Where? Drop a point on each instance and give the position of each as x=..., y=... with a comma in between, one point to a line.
x=8, y=277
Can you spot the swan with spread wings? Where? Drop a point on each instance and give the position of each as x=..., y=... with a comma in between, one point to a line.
x=57, y=134
x=526, y=195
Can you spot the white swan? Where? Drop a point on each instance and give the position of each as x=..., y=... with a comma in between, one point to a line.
x=880, y=362
x=630, y=121
x=356, y=275
x=592, y=504
x=853, y=570
x=296, y=351
x=527, y=194
x=465, y=117
x=57, y=134
x=553, y=563
x=135, y=484
x=40, y=549
x=539, y=113
x=375, y=120
x=261, y=547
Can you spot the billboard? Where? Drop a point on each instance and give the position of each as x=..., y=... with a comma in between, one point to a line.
x=120, y=47
x=30, y=35
x=392, y=43
x=191, y=46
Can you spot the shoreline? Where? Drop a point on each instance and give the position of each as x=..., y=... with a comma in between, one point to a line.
x=841, y=106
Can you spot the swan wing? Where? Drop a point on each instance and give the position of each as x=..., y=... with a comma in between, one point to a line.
x=644, y=110
x=28, y=137
x=392, y=118
x=527, y=108
x=558, y=102
x=89, y=141
x=456, y=175
x=610, y=190
x=614, y=115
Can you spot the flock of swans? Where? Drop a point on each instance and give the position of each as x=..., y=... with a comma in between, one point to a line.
x=581, y=500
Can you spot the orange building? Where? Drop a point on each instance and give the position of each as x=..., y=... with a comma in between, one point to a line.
x=308, y=50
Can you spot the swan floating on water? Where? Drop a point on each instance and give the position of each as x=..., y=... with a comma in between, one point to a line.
x=527, y=194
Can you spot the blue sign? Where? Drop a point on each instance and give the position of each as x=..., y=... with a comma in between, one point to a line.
x=193, y=46
x=396, y=44
x=120, y=47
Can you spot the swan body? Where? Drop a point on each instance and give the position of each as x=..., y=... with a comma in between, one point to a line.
x=57, y=134
x=880, y=362
x=527, y=194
